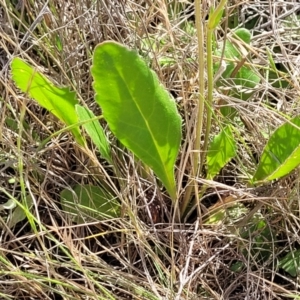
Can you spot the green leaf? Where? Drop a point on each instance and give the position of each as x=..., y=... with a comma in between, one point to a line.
x=291, y=263
x=13, y=124
x=216, y=217
x=245, y=79
x=57, y=100
x=138, y=110
x=281, y=155
x=87, y=202
x=277, y=74
x=95, y=131
x=9, y=204
x=244, y=34
x=226, y=214
x=237, y=266
x=261, y=236
x=214, y=18
x=221, y=150
x=16, y=212
x=19, y=213
x=231, y=51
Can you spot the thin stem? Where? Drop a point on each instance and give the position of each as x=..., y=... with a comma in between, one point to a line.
x=197, y=158
x=200, y=111
x=213, y=21
x=210, y=87
x=201, y=64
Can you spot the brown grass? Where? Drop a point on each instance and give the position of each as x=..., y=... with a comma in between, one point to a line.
x=46, y=256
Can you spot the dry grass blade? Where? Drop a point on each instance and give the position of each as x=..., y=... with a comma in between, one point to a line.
x=143, y=254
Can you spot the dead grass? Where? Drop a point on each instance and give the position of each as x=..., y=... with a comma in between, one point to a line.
x=133, y=257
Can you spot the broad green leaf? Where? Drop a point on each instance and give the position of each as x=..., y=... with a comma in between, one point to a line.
x=95, y=131
x=246, y=78
x=231, y=51
x=138, y=110
x=221, y=150
x=59, y=101
x=291, y=263
x=244, y=34
x=87, y=202
x=281, y=155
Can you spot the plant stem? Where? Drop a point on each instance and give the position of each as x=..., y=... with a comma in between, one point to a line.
x=200, y=110
x=213, y=21
x=210, y=87
x=197, y=159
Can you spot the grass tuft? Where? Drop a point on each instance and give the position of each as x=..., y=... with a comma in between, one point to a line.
x=232, y=250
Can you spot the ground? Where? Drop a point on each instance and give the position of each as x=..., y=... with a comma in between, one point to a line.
x=241, y=240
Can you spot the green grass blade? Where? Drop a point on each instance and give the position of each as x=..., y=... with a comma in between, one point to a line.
x=139, y=111
x=59, y=101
